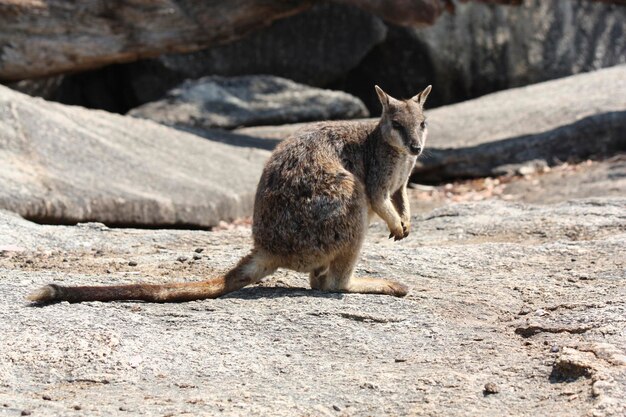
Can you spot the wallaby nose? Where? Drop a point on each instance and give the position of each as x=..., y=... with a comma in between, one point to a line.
x=415, y=149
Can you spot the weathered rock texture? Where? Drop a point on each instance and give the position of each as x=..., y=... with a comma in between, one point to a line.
x=528, y=300
x=39, y=38
x=63, y=164
x=230, y=102
x=483, y=48
x=569, y=118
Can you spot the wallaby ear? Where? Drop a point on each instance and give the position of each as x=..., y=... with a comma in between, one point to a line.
x=421, y=97
x=382, y=96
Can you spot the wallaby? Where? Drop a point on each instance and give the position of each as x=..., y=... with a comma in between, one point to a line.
x=313, y=204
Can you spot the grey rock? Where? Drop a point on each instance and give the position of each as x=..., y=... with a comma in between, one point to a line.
x=554, y=121
x=230, y=102
x=482, y=48
x=62, y=164
x=281, y=349
x=569, y=118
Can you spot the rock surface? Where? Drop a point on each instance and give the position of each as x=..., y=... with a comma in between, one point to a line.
x=39, y=38
x=480, y=48
x=527, y=299
x=230, y=102
x=483, y=48
x=63, y=164
x=554, y=121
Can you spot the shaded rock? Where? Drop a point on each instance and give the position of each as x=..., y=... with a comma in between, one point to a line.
x=482, y=48
x=220, y=102
x=51, y=37
x=555, y=121
x=62, y=164
x=314, y=48
x=287, y=348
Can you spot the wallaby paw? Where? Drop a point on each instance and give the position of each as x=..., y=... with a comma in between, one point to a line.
x=406, y=228
x=397, y=233
x=397, y=289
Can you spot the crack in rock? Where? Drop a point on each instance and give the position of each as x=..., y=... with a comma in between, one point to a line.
x=367, y=318
x=533, y=329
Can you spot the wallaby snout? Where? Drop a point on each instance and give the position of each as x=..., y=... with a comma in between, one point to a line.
x=415, y=148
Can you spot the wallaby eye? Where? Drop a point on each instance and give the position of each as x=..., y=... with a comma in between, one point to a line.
x=424, y=124
x=396, y=125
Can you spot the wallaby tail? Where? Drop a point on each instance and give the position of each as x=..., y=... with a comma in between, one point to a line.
x=249, y=270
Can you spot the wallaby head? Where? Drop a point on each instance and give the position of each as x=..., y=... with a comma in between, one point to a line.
x=402, y=123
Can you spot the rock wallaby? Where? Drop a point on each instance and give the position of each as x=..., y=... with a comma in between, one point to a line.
x=313, y=204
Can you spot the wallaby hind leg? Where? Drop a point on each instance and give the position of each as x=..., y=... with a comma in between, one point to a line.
x=318, y=276
x=338, y=277
x=250, y=270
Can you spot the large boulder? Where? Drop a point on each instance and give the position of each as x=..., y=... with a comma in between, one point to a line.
x=230, y=102
x=513, y=310
x=483, y=48
x=62, y=164
x=570, y=118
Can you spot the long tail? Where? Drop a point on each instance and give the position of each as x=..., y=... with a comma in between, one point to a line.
x=248, y=271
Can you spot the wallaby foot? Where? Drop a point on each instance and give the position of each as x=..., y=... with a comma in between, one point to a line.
x=376, y=286
x=337, y=277
x=359, y=285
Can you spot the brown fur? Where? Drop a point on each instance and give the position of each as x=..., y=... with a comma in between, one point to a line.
x=313, y=204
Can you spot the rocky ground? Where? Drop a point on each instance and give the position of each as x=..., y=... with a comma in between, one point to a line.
x=514, y=309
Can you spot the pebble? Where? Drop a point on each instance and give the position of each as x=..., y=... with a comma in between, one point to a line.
x=199, y=250
x=197, y=256
x=554, y=349
x=336, y=408
x=181, y=259
x=491, y=388
x=132, y=263
x=26, y=412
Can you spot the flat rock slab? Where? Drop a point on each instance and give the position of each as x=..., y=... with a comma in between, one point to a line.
x=514, y=310
x=572, y=117
x=538, y=185
x=231, y=102
x=64, y=164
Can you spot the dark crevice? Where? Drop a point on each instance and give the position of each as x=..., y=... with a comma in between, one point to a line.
x=56, y=221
